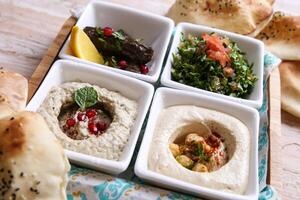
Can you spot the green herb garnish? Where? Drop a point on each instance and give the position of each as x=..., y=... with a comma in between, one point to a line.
x=201, y=153
x=86, y=97
x=192, y=66
x=119, y=35
x=139, y=40
x=99, y=30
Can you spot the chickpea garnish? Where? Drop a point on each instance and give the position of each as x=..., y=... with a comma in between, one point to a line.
x=200, y=168
x=174, y=148
x=193, y=138
x=185, y=161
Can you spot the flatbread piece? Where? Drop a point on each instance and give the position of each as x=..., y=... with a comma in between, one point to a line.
x=240, y=16
x=282, y=36
x=290, y=87
x=13, y=89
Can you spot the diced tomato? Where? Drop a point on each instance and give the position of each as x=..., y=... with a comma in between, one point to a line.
x=215, y=48
x=213, y=42
x=222, y=57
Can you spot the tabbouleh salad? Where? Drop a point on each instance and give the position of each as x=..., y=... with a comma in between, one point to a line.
x=214, y=63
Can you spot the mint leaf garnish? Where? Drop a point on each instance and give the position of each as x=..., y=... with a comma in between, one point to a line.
x=86, y=97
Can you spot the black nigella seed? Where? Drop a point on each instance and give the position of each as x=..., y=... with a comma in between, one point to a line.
x=12, y=118
x=22, y=174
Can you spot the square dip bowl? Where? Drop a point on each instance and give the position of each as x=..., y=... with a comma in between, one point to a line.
x=64, y=71
x=167, y=97
x=253, y=48
x=154, y=30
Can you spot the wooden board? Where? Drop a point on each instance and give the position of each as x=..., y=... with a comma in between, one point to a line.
x=51, y=55
x=274, y=161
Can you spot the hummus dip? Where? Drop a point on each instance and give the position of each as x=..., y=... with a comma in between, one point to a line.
x=220, y=160
x=102, y=130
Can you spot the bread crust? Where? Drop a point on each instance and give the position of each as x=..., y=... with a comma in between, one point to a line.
x=13, y=89
x=32, y=162
x=282, y=36
x=240, y=16
x=290, y=90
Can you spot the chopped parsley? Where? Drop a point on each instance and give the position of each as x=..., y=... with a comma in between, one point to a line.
x=200, y=63
x=201, y=153
x=119, y=35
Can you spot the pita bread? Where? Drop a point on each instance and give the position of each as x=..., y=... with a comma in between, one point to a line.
x=32, y=162
x=5, y=111
x=13, y=89
x=282, y=36
x=290, y=87
x=240, y=16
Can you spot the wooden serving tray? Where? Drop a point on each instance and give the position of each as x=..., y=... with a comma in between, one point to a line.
x=274, y=162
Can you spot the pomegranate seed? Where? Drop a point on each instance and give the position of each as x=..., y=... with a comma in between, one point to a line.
x=71, y=122
x=107, y=31
x=123, y=64
x=81, y=117
x=91, y=113
x=92, y=128
x=144, y=69
x=101, y=126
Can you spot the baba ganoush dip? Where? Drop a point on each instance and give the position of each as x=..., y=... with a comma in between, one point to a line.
x=201, y=146
x=89, y=119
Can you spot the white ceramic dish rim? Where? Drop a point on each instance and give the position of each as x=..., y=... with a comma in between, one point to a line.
x=167, y=81
x=141, y=165
x=149, y=78
x=111, y=166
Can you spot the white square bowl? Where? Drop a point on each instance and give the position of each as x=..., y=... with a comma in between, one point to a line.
x=66, y=71
x=253, y=48
x=155, y=31
x=166, y=97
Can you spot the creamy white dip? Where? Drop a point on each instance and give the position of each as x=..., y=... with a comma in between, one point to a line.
x=108, y=145
x=176, y=121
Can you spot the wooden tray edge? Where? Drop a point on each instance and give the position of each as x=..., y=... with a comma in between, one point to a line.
x=274, y=154
x=52, y=53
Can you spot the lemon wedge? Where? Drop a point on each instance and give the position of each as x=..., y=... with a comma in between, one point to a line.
x=83, y=47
